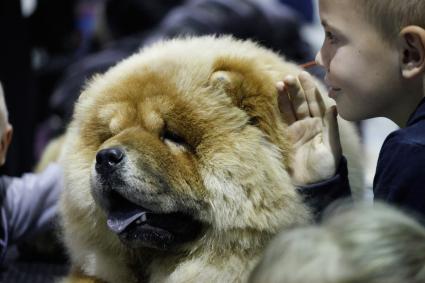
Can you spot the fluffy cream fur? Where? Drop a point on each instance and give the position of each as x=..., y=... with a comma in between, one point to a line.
x=230, y=173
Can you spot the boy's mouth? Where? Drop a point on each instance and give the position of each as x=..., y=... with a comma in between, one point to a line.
x=333, y=92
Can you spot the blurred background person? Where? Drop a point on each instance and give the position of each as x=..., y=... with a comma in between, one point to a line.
x=364, y=244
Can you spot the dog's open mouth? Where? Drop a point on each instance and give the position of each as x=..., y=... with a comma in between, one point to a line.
x=140, y=227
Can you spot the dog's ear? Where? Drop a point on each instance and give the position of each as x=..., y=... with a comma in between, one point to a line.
x=251, y=89
x=231, y=84
x=228, y=81
x=234, y=85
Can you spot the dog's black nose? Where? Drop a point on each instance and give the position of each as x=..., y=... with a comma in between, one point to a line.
x=107, y=159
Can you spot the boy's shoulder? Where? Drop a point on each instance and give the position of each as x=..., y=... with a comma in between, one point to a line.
x=403, y=147
x=414, y=132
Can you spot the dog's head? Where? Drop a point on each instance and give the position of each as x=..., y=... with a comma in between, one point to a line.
x=182, y=140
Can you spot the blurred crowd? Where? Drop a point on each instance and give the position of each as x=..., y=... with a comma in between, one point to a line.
x=50, y=48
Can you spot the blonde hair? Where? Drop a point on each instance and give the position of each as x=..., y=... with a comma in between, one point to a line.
x=391, y=16
x=4, y=114
x=362, y=245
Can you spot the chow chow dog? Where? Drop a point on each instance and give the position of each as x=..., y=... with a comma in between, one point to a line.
x=176, y=165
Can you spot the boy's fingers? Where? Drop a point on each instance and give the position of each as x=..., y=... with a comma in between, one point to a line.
x=314, y=98
x=285, y=105
x=332, y=136
x=297, y=96
x=304, y=130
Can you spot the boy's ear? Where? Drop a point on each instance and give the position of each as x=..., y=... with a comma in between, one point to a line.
x=412, y=51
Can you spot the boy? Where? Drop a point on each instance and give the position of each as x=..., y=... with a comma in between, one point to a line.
x=374, y=57
x=27, y=204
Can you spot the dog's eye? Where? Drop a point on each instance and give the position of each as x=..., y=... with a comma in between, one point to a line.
x=168, y=135
x=254, y=121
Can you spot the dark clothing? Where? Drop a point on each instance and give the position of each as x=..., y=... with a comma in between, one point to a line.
x=400, y=175
x=319, y=195
x=305, y=8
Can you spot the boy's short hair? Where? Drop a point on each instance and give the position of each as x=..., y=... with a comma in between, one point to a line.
x=391, y=16
x=367, y=244
x=4, y=115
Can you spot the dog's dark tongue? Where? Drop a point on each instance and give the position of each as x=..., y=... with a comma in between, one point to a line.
x=119, y=220
x=139, y=227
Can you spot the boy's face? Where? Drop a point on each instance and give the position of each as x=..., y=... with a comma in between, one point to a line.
x=362, y=70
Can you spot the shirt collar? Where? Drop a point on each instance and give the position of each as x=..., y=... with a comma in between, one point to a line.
x=418, y=114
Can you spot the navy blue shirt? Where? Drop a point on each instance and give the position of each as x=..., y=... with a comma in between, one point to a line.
x=400, y=172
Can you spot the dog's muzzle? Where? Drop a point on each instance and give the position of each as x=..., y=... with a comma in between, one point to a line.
x=135, y=225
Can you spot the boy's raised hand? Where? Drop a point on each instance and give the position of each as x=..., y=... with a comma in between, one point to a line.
x=313, y=129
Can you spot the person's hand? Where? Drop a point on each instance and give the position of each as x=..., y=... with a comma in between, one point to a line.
x=312, y=128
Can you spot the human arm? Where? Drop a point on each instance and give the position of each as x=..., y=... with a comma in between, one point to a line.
x=321, y=194
x=30, y=203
